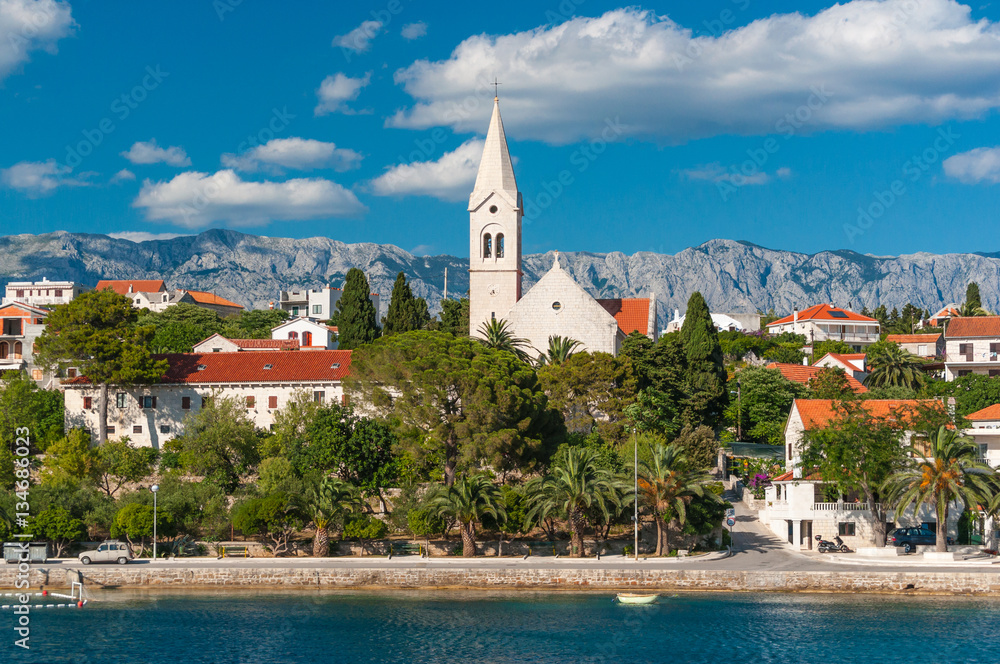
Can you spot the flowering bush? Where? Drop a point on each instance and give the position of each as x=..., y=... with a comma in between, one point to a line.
x=757, y=484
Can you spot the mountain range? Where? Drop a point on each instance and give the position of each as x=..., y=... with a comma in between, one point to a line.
x=733, y=276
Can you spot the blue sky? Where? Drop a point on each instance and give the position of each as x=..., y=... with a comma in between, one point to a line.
x=805, y=126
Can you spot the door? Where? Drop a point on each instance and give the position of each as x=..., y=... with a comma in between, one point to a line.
x=103, y=553
x=807, y=534
x=791, y=536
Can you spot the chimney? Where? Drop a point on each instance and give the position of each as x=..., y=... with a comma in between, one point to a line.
x=795, y=316
x=270, y=305
x=677, y=314
x=805, y=361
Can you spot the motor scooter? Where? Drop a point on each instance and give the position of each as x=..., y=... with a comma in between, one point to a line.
x=836, y=546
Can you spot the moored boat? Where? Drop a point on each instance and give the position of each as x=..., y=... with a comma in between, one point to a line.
x=636, y=598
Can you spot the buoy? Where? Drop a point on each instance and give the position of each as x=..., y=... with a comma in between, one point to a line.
x=79, y=604
x=45, y=593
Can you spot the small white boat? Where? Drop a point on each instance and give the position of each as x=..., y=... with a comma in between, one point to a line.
x=636, y=598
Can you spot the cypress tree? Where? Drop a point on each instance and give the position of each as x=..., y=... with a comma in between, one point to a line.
x=356, y=317
x=705, y=376
x=406, y=313
x=972, y=295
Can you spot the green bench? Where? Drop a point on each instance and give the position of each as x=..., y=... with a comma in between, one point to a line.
x=234, y=551
x=405, y=548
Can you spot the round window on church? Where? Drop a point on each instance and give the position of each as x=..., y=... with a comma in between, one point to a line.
x=557, y=306
x=493, y=209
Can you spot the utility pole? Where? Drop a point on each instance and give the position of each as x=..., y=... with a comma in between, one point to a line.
x=446, y=283
x=739, y=412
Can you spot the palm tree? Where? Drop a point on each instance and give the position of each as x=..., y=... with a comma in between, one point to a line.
x=560, y=349
x=576, y=483
x=324, y=503
x=498, y=334
x=893, y=366
x=667, y=484
x=946, y=470
x=967, y=309
x=467, y=501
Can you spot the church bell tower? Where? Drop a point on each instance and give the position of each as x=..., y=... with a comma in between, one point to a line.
x=494, y=232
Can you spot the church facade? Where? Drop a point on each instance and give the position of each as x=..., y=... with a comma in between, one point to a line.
x=555, y=306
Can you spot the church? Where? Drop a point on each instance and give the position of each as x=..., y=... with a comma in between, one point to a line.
x=556, y=305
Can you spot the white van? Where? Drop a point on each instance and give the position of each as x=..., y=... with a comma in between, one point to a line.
x=109, y=551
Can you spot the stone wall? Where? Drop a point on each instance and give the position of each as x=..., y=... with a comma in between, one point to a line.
x=963, y=583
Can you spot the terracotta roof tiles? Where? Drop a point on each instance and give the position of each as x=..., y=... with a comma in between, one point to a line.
x=823, y=312
x=818, y=413
x=973, y=326
x=914, y=338
x=203, y=297
x=632, y=314
x=121, y=286
x=800, y=373
x=988, y=413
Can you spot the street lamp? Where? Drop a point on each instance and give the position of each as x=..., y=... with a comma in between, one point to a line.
x=739, y=412
x=154, y=489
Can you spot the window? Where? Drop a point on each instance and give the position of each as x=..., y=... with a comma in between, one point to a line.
x=964, y=372
x=4, y=350
x=186, y=403
x=164, y=428
x=557, y=305
x=71, y=373
x=120, y=400
x=293, y=335
x=110, y=431
x=493, y=315
x=295, y=312
x=136, y=429
x=58, y=292
x=36, y=374
x=499, y=245
x=216, y=350
x=147, y=402
x=268, y=367
x=922, y=349
x=12, y=327
x=272, y=402
x=20, y=293
x=845, y=528
x=88, y=403
x=487, y=246
x=251, y=401
x=317, y=308
x=493, y=209
x=307, y=338
x=994, y=372
x=318, y=396
x=966, y=350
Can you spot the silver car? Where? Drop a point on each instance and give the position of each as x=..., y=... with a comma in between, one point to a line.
x=109, y=551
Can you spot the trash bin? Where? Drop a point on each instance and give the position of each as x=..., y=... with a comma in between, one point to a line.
x=38, y=552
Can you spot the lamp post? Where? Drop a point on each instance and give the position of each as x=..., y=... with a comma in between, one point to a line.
x=635, y=517
x=739, y=412
x=154, y=489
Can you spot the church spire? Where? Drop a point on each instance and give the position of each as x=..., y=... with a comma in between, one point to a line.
x=496, y=172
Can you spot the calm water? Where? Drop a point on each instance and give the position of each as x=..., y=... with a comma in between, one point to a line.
x=506, y=627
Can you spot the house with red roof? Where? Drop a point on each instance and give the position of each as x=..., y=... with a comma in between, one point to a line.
x=984, y=428
x=20, y=325
x=799, y=505
x=825, y=322
x=263, y=382
x=804, y=374
x=853, y=364
x=972, y=346
x=943, y=315
x=927, y=346
x=220, y=344
x=129, y=286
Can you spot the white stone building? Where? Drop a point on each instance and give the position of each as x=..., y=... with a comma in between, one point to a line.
x=42, y=293
x=825, y=322
x=556, y=305
x=927, y=346
x=799, y=505
x=317, y=303
x=307, y=332
x=20, y=325
x=263, y=381
x=972, y=345
x=853, y=364
x=220, y=344
x=722, y=322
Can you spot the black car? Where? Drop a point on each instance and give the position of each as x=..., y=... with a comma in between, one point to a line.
x=909, y=538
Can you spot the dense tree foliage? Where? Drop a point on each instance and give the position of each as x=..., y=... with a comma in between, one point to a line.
x=455, y=317
x=357, y=320
x=765, y=400
x=705, y=376
x=830, y=383
x=406, y=313
x=591, y=390
x=24, y=405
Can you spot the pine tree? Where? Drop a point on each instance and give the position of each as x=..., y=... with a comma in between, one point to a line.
x=356, y=317
x=972, y=295
x=406, y=313
x=705, y=377
x=455, y=317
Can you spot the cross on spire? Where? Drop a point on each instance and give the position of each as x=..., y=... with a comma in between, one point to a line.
x=496, y=85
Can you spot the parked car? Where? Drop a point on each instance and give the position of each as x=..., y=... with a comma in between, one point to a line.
x=909, y=538
x=110, y=551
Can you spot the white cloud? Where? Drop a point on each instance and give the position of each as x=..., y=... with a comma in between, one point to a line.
x=151, y=153
x=422, y=250
x=142, y=236
x=337, y=89
x=195, y=199
x=974, y=166
x=859, y=65
x=450, y=178
x=716, y=173
x=39, y=178
x=31, y=25
x=122, y=175
x=414, y=30
x=297, y=153
x=359, y=39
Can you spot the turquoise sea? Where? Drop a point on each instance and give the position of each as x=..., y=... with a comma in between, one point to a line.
x=413, y=627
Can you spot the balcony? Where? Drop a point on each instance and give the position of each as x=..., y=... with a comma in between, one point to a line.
x=841, y=507
x=294, y=297
x=972, y=359
x=846, y=337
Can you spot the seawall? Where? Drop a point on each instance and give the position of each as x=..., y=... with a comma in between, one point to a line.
x=950, y=583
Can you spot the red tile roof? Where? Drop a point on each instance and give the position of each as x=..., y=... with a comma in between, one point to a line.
x=800, y=373
x=632, y=314
x=914, y=338
x=317, y=366
x=973, y=326
x=24, y=310
x=847, y=359
x=211, y=298
x=790, y=475
x=988, y=413
x=280, y=344
x=822, y=312
x=138, y=286
x=818, y=413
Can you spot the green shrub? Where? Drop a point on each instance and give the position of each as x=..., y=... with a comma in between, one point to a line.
x=365, y=527
x=424, y=523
